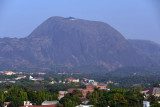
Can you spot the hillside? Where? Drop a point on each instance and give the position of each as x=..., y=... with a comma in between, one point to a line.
x=71, y=42
x=149, y=48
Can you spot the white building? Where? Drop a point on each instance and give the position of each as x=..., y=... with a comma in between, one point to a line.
x=20, y=77
x=30, y=77
x=27, y=103
x=35, y=79
x=85, y=105
x=146, y=104
x=49, y=102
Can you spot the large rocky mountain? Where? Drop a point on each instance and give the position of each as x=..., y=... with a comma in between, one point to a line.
x=71, y=42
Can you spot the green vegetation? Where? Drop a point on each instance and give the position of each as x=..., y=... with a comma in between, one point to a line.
x=127, y=78
x=17, y=96
x=125, y=85
x=70, y=100
x=102, y=98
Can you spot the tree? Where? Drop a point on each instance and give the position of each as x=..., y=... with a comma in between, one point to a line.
x=70, y=100
x=156, y=84
x=155, y=104
x=153, y=99
x=77, y=92
x=118, y=100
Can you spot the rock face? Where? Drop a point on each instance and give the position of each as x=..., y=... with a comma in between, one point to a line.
x=71, y=42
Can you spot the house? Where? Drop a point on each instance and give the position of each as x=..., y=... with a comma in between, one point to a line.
x=89, y=82
x=61, y=94
x=62, y=73
x=9, y=73
x=59, y=81
x=35, y=79
x=85, y=105
x=20, y=77
x=101, y=87
x=31, y=78
x=85, y=79
x=89, y=88
x=110, y=82
x=52, y=105
x=145, y=93
x=5, y=91
x=52, y=82
x=84, y=100
x=44, y=104
x=27, y=103
x=154, y=91
x=7, y=80
x=6, y=104
x=72, y=80
x=49, y=102
x=40, y=73
x=146, y=104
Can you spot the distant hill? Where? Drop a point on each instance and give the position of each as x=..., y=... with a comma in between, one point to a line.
x=71, y=42
x=150, y=48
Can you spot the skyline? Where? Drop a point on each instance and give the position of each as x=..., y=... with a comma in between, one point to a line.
x=133, y=19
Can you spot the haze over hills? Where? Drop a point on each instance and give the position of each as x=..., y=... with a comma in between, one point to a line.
x=71, y=42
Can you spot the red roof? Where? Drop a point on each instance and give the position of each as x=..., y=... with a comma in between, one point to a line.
x=71, y=78
x=144, y=91
x=7, y=103
x=21, y=75
x=63, y=92
x=52, y=105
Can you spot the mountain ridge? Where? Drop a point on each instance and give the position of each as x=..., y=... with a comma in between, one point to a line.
x=72, y=42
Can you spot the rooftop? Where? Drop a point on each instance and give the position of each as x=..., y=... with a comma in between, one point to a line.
x=50, y=102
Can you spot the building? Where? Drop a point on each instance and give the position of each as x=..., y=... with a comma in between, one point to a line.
x=84, y=100
x=52, y=105
x=44, y=104
x=62, y=93
x=154, y=91
x=20, y=77
x=110, y=82
x=85, y=105
x=9, y=73
x=40, y=73
x=89, y=88
x=27, y=103
x=101, y=87
x=6, y=104
x=5, y=91
x=145, y=93
x=72, y=80
x=90, y=82
x=146, y=104
x=49, y=102
x=52, y=82
x=35, y=79
x=8, y=80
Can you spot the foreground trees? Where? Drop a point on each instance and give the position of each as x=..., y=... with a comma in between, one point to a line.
x=17, y=96
x=99, y=98
x=103, y=98
x=116, y=98
x=71, y=99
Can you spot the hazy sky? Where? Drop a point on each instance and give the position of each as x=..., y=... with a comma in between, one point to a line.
x=135, y=19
